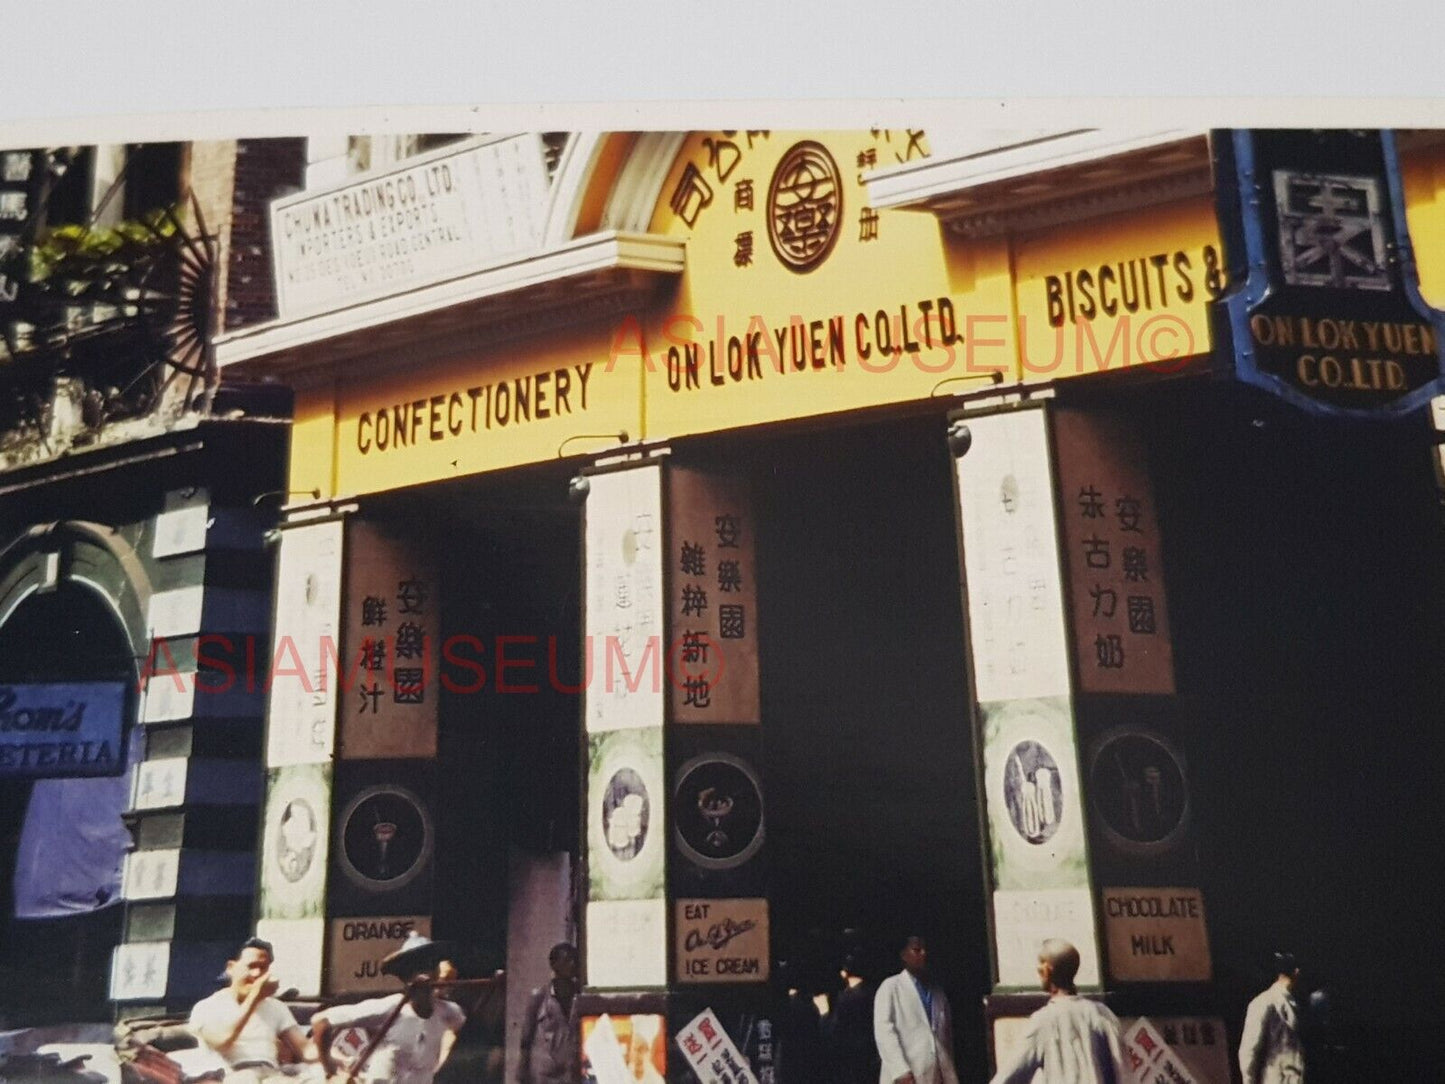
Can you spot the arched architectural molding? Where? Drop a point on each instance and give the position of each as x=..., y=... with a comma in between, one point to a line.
x=88, y=554
x=639, y=186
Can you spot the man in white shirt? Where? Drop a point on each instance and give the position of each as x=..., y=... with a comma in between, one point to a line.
x=417, y=1029
x=1270, y=1051
x=912, y=1024
x=247, y=1026
x=1070, y=1040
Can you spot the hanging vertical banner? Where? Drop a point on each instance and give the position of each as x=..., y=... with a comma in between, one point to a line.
x=624, y=600
x=1032, y=798
x=1015, y=602
x=391, y=647
x=713, y=634
x=1330, y=316
x=1115, y=556
x=301, y=715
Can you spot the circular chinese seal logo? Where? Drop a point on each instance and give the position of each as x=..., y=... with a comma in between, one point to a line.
x=386, y=837
x=718, y=811
x=296, y=837
x=1138, y=788
x=805, y=206
x=626, y=809
x=1033, y=791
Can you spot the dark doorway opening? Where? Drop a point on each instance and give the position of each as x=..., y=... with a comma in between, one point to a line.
x=1305, y=569
x=508, y=767
x=56, y=953
x=872, y=805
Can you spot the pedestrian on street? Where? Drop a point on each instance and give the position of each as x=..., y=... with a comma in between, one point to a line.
x=912, y=1024
x=416, y=1028
x=848, y=1027
x=550, y=1050
x=1270, y=1048
x=1071, y=1040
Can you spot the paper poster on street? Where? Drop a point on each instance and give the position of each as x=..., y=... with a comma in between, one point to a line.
x=711, y=1053
x=1148, y=1058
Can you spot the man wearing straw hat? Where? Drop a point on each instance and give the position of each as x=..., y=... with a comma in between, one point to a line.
x=412, y=1032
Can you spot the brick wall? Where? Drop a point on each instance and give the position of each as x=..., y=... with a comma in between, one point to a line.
x=264, y=170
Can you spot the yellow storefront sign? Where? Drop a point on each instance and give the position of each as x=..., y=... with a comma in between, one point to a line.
x=800, y=298
x=483, y=410
x=1118, y=292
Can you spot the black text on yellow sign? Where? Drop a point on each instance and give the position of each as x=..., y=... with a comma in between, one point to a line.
x=536, y=396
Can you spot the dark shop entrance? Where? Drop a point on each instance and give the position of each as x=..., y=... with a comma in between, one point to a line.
x=873, y=816
x=506, y=550
x=62, y=840
x=1305, y=569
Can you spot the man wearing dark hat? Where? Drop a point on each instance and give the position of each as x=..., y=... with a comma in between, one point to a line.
x=1270, y=1050
x=245, y=1023
x=419, y=1027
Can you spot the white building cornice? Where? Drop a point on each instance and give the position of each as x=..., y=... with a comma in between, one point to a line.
x=563, y=284
x=1048, y=179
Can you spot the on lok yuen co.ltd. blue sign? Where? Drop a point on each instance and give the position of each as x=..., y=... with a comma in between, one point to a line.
x=1327, y=313
x=57, y=731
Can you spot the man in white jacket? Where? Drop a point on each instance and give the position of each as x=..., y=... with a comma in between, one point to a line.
x=912, y=1024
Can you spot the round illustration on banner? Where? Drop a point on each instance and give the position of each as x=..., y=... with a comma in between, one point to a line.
x=1139, y=789
x=626, y=810
x=296, y=838
x=718, y=811
x=1033, y=792
x=805, y=206
x=386, y=837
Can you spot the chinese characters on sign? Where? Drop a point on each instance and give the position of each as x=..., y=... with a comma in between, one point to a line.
x=1148, y=1058
x=1111, y=533
x=301, y=721
x=391, y=648
x=712, y=654
x=624, y=611
x=711, y=1052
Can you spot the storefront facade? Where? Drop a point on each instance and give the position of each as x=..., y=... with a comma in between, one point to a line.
x=625, y=606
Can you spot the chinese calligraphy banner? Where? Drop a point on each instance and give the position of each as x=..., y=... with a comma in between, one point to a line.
x=1015, y=601
x=623, y=617
x=713, y=636
x=390, y=648
x=1115, y=556
x=301, y=717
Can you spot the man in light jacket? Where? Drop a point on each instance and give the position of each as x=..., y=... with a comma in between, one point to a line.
x=912, y=1024
x=1270, y=1051
x=1071, y=1040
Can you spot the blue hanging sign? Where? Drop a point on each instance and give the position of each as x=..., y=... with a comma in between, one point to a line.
x=1329, y=315
x=62, y=731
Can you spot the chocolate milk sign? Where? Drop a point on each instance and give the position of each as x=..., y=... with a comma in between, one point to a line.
x=60, y=731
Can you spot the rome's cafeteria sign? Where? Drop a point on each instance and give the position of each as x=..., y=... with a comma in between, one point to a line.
x=61, y=731
x=434, y=217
